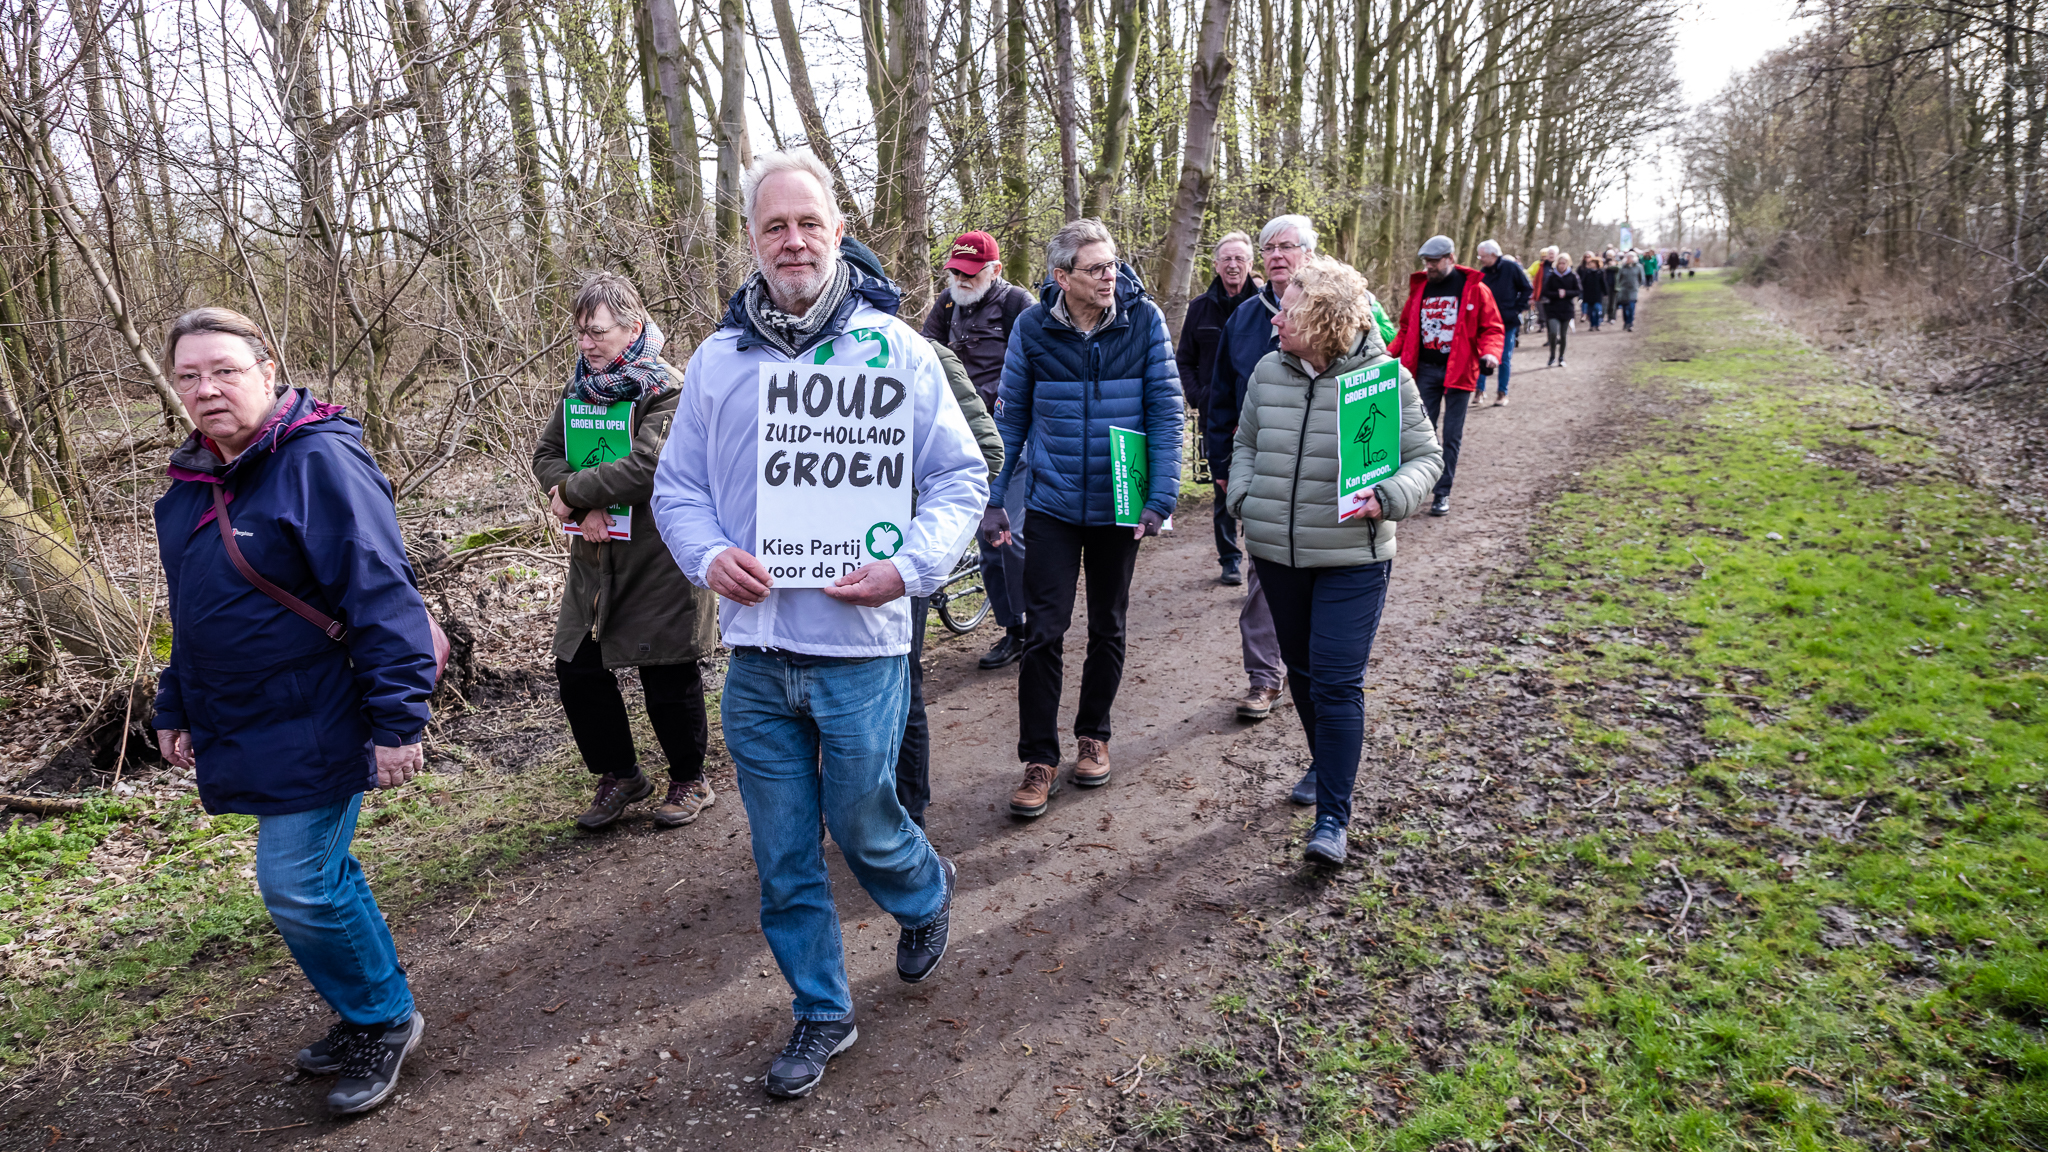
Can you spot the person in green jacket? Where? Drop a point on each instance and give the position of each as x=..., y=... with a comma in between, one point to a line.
x=626, y=604
x=1326, y=576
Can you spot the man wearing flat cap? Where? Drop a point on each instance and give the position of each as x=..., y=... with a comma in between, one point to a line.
x=973, y=317
x=1451, y=330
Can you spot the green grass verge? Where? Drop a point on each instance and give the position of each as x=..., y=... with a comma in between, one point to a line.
x=142, y=909
x=1854, y=645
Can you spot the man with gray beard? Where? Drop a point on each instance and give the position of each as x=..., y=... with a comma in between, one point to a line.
x=973, y=317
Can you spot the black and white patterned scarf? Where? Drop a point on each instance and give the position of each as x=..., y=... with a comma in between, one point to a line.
x=635, y=375
x=792, y=335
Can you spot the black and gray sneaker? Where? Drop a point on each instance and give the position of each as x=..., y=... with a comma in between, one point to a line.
x=323, y=1056
x=1327, y=844
x=919, y=950
x=370, y=1060
x=802, y=1062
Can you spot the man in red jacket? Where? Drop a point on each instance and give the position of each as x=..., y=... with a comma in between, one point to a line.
x=1450, y=332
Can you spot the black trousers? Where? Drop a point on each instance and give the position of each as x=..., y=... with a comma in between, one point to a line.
x=1056, y=556
x=1446, y=408
x=1228, y=553
x=914, y=758
x=597, y=714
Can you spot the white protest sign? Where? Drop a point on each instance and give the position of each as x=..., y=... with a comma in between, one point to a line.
x=835, y=450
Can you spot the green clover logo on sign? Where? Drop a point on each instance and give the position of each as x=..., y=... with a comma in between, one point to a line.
x=884, y=539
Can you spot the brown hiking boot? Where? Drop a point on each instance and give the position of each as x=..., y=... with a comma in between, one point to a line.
x=613, y=794
x=1040, y=782
x=1091, y=770
x=1257, y=703
x=687, y=799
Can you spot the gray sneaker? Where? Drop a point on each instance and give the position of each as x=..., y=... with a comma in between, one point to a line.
x=370, y=1060
x=613, y=794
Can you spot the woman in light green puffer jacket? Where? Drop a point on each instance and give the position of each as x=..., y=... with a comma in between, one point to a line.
x=1325, y=579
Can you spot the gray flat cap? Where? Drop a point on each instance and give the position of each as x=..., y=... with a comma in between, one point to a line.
x=1437, y=246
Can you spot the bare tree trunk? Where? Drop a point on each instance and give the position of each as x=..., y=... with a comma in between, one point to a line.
x=525, y=141
x=815, y=134
x=1016, y=172
x=1208, y=78
x=914, y=88
x=1116, y=112
x=1068, y=116
x=733, y=148
x=70, y=598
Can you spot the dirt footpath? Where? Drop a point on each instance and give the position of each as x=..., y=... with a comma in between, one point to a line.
x=618, y=993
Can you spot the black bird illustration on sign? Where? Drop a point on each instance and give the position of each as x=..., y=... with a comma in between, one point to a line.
x=1367, y=430
x=600, y=453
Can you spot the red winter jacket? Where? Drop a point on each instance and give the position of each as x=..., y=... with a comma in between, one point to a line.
x=1479, y=331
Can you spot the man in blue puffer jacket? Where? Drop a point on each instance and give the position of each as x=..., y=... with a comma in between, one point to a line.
x=1091, y=355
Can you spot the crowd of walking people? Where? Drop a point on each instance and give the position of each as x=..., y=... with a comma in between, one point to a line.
x=303, y=656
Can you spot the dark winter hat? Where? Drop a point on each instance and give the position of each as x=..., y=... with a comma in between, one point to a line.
x=973, y=251
x=1437, y=247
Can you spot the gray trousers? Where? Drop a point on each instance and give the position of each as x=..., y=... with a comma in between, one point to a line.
x=1261, y=643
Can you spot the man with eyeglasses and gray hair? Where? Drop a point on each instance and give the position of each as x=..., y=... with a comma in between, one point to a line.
x=1091, y=356
x=1284, y=244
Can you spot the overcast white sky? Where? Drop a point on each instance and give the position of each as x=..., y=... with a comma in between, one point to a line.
x=1718, y=38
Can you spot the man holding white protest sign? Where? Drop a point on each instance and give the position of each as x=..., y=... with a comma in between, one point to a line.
x=812, y=416
x=1090, y=403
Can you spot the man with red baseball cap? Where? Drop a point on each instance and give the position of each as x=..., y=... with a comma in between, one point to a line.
x=973, y=317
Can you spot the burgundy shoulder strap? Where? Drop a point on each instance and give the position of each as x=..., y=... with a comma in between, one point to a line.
x=334, y=628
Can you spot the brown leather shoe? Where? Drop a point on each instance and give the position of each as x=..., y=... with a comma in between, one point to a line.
x=613, y=794
x=1257, y=704
x=687, y=800
x=1091, y=770
x=1040, y=782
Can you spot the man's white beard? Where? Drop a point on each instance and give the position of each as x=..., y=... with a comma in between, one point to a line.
x=806, y=290
x=967, y=297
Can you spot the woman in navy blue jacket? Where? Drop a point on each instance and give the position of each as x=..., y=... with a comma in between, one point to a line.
x=281, y=720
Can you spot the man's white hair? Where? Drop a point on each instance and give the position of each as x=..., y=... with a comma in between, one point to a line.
x=1304, y=232
x=768, y=164
x=1228, y=237
x=1489, y=247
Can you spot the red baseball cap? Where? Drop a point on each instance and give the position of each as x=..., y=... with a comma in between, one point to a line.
x=972, y=251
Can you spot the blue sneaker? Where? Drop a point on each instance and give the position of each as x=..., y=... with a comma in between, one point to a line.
x=1327, y=844
x=1304, y=789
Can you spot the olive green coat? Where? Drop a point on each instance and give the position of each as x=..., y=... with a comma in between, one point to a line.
x=1283, y=471
x=979, y=422
x=628, y=594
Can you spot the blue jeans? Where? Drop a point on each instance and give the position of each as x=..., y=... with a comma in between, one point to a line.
x=1327, y=618
x=1507, y=357
x=1593, y=313
x=817, y=737
x=323, y=908
x=1628, y=313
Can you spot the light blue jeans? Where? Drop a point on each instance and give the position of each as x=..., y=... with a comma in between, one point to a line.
x=323, y=908
x=816, y=738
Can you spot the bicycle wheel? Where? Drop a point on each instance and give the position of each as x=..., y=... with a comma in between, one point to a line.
x=962, y=602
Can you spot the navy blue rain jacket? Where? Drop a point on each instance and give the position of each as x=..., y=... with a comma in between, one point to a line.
x=283, y=718
x=1063, y=390
x=1247, y=337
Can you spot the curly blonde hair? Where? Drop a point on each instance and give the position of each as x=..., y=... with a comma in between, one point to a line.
x=1334, y=304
